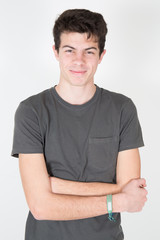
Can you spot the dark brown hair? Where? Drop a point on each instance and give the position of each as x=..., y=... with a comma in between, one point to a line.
x=81, y=21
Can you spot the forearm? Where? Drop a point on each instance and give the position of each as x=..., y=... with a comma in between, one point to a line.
x=68, y=187
x=65, y=207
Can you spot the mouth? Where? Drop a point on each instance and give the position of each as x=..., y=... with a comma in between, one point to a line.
x=77, y=72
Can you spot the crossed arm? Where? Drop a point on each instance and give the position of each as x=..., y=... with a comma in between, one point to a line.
x=93, y=189
x=128, y=167
x=76, y=200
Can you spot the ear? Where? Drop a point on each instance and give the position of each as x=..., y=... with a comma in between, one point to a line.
x=55, y=52
x=102, y=55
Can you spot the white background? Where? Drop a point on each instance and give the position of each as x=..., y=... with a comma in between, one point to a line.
x=130, y=66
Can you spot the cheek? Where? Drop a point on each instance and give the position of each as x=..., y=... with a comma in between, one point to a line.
x=65, y=61
x=62, y=64
x=94, y=64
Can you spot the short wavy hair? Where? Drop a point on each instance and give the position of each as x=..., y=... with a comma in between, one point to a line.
x=81, y=21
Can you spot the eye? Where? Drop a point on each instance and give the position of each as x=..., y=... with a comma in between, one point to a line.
x=90, y=52
x=69, y=51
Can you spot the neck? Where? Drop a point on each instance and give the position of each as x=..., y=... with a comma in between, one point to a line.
x=76, y=94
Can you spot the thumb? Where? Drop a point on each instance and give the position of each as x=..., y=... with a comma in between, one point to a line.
x=141, y=182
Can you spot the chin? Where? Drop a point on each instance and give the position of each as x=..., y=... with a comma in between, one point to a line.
x=78, y=82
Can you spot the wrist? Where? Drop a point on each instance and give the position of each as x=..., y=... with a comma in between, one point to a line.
x=56, y=185
x=119, y=202
x=118, y=188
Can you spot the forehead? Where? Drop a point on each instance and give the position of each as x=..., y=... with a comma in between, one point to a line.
x=77, y=40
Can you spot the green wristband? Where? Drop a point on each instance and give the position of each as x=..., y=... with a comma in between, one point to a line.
x=109, y=208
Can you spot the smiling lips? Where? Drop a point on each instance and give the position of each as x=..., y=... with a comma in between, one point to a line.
x=78, y=72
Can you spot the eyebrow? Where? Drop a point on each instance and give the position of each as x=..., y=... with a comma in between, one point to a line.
x=67, y=46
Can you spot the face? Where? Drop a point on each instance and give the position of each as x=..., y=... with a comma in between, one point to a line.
x=78, y=58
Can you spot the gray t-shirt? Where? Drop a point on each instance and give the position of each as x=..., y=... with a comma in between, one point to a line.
x=79, y=143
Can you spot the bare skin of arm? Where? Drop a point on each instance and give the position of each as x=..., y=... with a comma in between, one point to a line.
x=128, y=167
x=46, y=205
x=62, y=186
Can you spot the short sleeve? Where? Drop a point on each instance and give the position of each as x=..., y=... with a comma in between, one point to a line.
x=130, y=129
x=26, y=137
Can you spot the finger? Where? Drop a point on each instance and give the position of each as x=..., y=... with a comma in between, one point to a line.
x=146, y=192
x=141, y=182
x=142, y=186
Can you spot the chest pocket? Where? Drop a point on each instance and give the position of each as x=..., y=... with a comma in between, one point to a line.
x=102, y=158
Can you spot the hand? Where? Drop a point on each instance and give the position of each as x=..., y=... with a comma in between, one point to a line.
x=134, y=195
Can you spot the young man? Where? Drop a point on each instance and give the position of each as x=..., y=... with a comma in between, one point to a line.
x=78, y=143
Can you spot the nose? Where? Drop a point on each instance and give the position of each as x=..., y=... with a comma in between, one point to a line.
x=79, y=58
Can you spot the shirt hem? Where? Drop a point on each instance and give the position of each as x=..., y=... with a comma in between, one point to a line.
x=16, y=153
x=131, y=147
